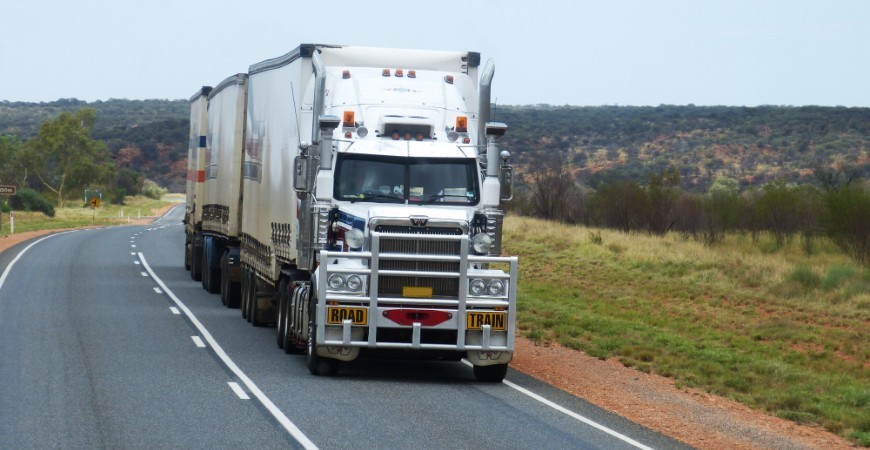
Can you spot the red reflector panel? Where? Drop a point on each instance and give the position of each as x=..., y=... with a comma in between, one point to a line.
x=426, y=317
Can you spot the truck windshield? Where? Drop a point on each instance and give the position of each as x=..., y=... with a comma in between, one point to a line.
x=398, y=180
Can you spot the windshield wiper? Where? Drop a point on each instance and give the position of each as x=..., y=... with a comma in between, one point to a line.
x=368, y=195
x=432, y=198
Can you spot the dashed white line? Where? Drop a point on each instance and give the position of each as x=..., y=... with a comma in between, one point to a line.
x=238, y=390
x=175, y=310
x=144, y=274
x=279, y=416
x=157, y=290
x=198, y=341
x=136, y=262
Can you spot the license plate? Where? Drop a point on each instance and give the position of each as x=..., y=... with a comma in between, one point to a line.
x=476, y=320
x=335, y=315
x=416, y=292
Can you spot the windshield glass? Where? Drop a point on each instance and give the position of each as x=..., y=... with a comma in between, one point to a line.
x=399, y=180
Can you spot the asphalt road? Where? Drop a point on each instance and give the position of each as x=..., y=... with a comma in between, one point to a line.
x=106, y=342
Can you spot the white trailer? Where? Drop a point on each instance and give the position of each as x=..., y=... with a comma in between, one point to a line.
x=222, y=191
x=195, y=179
x=371, y=217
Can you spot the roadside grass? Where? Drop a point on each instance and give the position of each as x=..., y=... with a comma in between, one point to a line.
x=84, y=216
x=773, y=328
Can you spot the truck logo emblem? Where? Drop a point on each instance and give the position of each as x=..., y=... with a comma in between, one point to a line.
x=419, y=221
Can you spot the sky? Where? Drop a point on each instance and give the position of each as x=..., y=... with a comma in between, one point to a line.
x=572, y=52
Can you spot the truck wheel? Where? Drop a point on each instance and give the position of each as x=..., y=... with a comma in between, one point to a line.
x=317, y=365
x=204, y=267
x=195, y=261
x=491, y=374
x=245, y=293
x=230, y=294
x=186, y=255
x=255, y=313
x=212, y=283
x=281, y=325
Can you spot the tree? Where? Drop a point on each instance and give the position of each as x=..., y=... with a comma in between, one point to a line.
x=555, y=195
x=10, y=170
x=64, y=158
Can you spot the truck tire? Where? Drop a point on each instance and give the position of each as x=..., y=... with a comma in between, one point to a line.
x=187, y=255
x=281, y=325
x=210, y=275
x=491, y=374
x=317, y=365
x=230, y=291
x=246, y=283
x=196, y=261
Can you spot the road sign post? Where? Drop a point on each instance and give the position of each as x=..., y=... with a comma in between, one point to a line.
x=8, y=189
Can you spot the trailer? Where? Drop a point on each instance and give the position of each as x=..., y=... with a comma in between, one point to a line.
x=370, y=187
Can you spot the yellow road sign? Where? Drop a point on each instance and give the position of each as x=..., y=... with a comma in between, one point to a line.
x=95, y=202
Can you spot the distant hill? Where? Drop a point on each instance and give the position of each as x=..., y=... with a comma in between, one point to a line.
x=149, y=136
x=754, y=145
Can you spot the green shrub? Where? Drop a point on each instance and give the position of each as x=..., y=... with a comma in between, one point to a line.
x=30, y=200
x=152, y=190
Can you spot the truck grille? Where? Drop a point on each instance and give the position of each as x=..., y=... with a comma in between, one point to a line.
x=441, y=287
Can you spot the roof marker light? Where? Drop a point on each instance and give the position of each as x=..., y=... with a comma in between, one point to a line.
x=400, y=73
x=348, y=134
x=345, y=74
x=412, y=74
x=466, y=140
x=385, y=72
x=348, y=120
x=448, y=79
x=461, y=124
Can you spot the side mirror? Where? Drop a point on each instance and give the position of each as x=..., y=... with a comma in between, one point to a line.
x=506, y=177
x=506, y=180
x=300, y=174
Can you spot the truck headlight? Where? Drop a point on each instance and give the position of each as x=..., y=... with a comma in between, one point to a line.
x=477, y=287
x=481, y=243
x=354, y=238
x=335, y=282
x=495, y=288
x=354, y=283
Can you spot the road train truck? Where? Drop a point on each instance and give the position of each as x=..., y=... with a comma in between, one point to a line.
x=355, y=203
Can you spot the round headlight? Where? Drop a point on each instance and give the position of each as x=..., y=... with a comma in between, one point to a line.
x=335, y=282
x=354, y=283
x=495, y=287
x=477, y=287
x=481, y=243
x=354, y=238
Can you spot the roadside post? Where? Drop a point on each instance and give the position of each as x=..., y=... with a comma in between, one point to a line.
x=7, y=190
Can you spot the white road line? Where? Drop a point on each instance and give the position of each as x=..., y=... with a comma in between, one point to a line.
x=134, y=246
x=22, y=252
x=572, y=414
x=231, y=365
x=133, y=253
x=198, y=341
x=136, y=262
x=175, y=310
x=238, y=390
x=157, y=290
x=144, y=274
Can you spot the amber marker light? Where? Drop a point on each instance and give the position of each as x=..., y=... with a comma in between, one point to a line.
x=461, y=124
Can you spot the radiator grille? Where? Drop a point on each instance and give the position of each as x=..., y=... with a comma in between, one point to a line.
x=441, y=287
